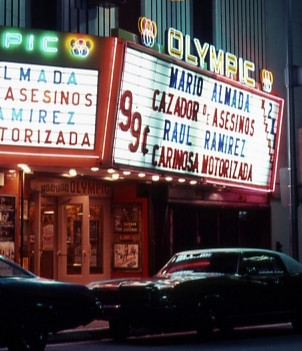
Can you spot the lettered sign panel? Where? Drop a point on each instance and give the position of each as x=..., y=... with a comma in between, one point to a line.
x=47, y=106
x=192, y=123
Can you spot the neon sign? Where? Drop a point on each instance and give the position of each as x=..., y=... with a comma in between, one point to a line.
x=222, y=63
x=175, y=120
x=80, y=47
x=30, y=42
x=148, y=30
x=266, y=79
x=44, y=44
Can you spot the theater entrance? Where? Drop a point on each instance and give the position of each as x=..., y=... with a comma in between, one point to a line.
x=71, y=239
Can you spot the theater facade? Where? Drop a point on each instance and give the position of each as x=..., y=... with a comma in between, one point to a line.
x=116, y=153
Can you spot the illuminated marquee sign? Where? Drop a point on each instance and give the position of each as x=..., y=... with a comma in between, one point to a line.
x=175, y=120
x=54, y=91
x=47, y=106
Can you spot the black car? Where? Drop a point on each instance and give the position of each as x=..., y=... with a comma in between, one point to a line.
x=206, y=289
x=32, y=307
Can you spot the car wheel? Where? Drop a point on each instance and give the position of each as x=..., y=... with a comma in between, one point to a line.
x=30, y=334
x=119, y=330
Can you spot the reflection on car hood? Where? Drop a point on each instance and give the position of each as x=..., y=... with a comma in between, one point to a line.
x=168, y=280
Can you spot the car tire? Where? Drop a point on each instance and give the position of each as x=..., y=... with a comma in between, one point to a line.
x=30, y=334
x=119, y=330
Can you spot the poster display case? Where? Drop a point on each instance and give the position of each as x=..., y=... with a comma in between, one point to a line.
x=7, y=226
x=127, y=229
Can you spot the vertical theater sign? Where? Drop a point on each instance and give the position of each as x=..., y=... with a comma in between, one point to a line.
x=213, y=125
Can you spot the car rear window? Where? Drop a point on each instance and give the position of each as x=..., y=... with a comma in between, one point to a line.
x=261, y=264
x=225, y=263
x=291, y=264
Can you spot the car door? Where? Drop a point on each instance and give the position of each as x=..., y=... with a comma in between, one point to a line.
x=263, y=278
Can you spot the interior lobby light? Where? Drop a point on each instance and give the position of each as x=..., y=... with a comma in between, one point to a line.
x=49, y=212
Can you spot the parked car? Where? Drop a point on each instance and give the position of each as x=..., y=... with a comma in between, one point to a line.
x=206, y=289
x=32, y=307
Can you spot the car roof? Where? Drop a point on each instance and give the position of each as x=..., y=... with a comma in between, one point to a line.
x=291, y=264
x=226, y=250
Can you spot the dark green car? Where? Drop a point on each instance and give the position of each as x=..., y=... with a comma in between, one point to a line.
x=206, y=289
x=32, y=307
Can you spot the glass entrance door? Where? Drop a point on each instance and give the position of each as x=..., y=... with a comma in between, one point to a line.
x=73, y=243
x=66, y=238
x=80, y=239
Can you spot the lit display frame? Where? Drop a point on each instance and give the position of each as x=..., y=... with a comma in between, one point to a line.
x=48, y=106
x=184, y=121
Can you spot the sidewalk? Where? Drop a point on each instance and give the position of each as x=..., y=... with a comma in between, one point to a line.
x=92, y=331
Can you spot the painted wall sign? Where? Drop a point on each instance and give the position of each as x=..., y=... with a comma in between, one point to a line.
x=47, y=106
x=192, y=123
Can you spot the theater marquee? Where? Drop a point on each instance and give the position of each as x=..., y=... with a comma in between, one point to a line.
x=194, y=123
x=54, y=92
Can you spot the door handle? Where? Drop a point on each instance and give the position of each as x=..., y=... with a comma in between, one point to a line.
x=59, y=253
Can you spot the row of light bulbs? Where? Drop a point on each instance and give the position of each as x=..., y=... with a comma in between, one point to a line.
x=114, y=175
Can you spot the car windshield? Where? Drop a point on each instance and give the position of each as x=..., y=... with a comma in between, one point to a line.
x=9, y=269
x=205, y=262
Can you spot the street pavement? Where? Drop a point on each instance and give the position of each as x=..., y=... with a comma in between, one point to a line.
x=98, y=330
x=95, y=330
